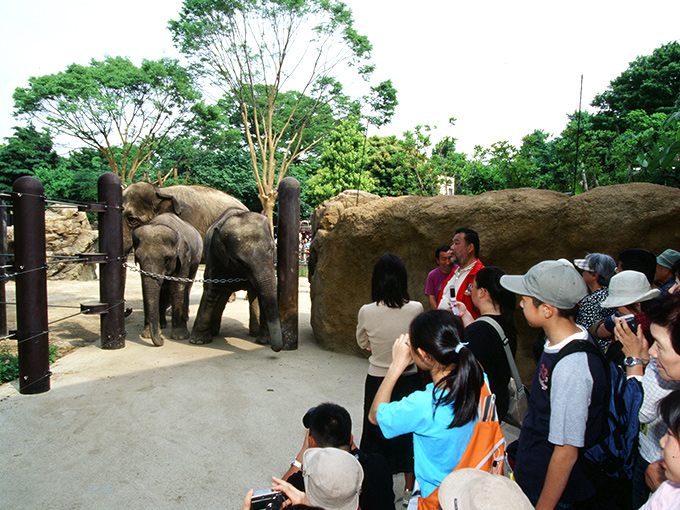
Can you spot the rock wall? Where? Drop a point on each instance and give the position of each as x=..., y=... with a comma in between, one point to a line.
x=517, y=228
x=67, y=233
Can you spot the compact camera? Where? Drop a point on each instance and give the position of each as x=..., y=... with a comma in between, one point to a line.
x=632, y=323
x=267, y=499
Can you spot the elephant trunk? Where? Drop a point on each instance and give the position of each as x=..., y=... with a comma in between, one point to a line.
x=269, y=306
x=275, y=334
x=151, y=290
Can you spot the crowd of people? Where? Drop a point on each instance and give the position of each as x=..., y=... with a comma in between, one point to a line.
x=428, y=371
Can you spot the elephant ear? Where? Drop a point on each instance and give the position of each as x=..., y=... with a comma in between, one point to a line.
x=167, y=203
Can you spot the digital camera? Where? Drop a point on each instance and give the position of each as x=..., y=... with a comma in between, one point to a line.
x=632, y=323
x=267, y=499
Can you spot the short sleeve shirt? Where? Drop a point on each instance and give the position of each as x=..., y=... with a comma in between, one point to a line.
x=437, y=448
x=435, y=280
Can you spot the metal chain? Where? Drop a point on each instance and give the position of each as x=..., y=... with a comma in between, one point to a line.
x=185, y=280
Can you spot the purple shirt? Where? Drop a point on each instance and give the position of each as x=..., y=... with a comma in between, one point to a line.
x=435, y=280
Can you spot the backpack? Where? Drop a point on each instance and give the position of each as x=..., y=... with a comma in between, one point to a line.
x=613, y=453
x=486, y=449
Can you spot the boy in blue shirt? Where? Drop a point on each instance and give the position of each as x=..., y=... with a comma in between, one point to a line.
x=565, y=413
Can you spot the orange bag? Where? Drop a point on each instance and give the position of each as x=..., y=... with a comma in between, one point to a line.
x=486, y=449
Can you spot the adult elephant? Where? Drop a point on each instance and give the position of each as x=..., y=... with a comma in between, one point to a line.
x=167, y=246
x=239, y=247
x=199, y=206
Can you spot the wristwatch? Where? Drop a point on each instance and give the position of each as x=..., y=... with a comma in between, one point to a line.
x=296, y=463
x=630, y=361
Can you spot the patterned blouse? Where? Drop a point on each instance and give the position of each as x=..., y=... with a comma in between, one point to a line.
x=590, y=312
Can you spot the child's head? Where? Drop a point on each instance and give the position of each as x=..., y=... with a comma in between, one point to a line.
x=436, y=339
x=556, y=283
x=669, y=409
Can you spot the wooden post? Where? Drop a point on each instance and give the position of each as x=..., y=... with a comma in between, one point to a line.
x=112, y=272
x=31, y=286
x=288, y=260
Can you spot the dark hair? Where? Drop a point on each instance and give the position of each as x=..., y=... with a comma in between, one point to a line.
x=639, y=259
x=665, y=311
x=438, y=333
x=440, y=250
x=669, y=409
x=471, y=237
x=489, y=278
x=565, y=313
x=389, y=282
x=676, y=269
x=330, y=425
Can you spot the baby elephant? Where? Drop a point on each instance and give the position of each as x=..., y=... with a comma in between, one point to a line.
x=171, y=247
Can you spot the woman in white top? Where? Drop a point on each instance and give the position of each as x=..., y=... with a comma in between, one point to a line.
x=379, y=324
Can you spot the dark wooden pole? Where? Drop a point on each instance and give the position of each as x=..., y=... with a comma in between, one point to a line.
x=112, y=272
x=31, y=286
x=3, y=262
x=288, y=260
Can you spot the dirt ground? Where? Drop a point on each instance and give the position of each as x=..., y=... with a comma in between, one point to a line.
x=69, y=333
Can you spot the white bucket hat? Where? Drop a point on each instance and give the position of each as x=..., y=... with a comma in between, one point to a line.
x=333, y=478
x=628, y=287
x=472, y=489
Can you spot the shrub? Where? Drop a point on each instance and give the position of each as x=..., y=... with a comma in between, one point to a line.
x=9, y=363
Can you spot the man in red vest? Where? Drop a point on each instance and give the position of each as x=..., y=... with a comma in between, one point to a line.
x=465, y=250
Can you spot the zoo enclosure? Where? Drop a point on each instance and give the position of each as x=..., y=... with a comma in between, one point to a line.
x=30, y=273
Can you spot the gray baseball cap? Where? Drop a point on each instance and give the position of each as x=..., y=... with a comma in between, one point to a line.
x=556, y=282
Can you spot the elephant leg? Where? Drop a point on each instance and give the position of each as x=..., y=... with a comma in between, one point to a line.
x=212, y=305
x=179, y=293
x=254, y=328
x=218, y=310
x=163, y=303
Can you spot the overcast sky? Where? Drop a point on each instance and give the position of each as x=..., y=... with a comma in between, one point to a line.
x=501, y=68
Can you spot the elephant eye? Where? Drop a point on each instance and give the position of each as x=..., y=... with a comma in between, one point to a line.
x=132, y=221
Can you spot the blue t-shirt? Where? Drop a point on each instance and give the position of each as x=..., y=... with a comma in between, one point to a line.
x=437, y=449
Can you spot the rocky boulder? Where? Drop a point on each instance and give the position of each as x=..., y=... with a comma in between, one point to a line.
x=517, y=228
x=67, y=233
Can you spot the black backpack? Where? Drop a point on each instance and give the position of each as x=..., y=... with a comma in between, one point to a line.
x=613, y=453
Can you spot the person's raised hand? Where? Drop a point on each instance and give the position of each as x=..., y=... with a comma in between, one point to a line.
x=246, y=501
x=634, y=343
x=654, y=475
x=401, y=352
x=295, y=497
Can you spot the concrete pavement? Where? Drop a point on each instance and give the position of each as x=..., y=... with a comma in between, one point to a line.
x=178, y=426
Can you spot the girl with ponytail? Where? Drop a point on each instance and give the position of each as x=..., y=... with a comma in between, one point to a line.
x=443, y=416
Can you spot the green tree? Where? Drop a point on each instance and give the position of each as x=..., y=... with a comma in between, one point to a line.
x=113, y=103
x=388, y=165
x=227, y=170
x=343, y=164
x=257, y=49
x=660, y=159
x=25, y=152
x=650, y=84
x=74, y=178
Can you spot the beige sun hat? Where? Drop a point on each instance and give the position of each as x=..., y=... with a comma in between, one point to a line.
x=628, y=287
x=472, y=489
x=333, y=478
